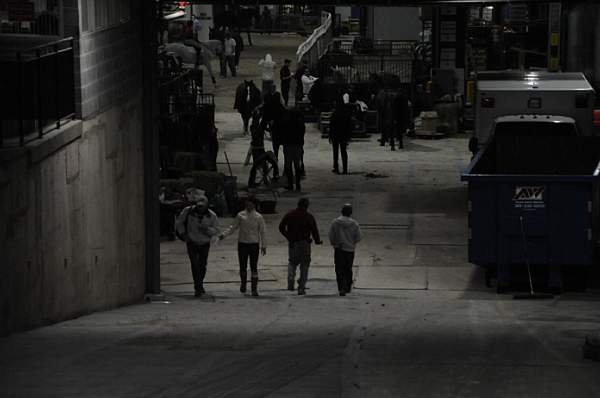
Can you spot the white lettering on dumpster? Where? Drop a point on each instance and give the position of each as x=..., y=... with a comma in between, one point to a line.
x=529, y=198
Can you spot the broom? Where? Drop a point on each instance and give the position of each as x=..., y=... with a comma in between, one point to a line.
x=531, y=294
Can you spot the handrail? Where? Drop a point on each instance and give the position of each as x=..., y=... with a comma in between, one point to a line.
x=44, y=90
x=52, y=43
x=315, y=39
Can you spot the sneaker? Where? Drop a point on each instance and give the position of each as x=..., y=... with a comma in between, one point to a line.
x=301, y=292
x=291, y=286
x=254, y=293
x=243, y=288
x=342, y=293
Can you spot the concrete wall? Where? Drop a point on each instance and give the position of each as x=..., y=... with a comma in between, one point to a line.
x=394, y=23
x=72, y=205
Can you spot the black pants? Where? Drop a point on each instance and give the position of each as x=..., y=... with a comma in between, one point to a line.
x=299, y=91
x=343, y=269
x=198, y=257
x=246, y=115
x=340, y=146
x=229, y=62
x=293, y=158
x=285, y=91
x=260, y=158
x=245, y=251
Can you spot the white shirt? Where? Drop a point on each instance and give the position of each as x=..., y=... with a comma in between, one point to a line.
x=229, y=47
x=252, y=228
x=307, y=83
x=268, y=69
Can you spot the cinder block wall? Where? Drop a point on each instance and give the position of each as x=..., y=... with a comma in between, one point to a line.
x=72, y=222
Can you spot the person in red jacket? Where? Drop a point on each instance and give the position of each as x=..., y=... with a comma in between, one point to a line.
x=297, y=226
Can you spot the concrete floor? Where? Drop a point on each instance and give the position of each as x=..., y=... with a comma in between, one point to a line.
x=420, y=322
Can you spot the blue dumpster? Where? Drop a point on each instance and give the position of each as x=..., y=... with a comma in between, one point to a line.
x=536, y=196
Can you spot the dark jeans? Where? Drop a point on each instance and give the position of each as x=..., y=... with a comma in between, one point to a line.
x=245, y=251
x=246, y=119
x=293, y=157
x=198, y=257
x=343, y=269
x=299, y=92
x=340, y=146
x=229, y=62
x=276, y=146
x=266, y=87
x=299, y=254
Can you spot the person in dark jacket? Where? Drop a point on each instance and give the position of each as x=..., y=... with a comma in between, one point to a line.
x=239, y=47
x=286, y=77
x=344, y=234
x=385, y=101
x=291, y=125
x=247, y=97
x=297, y=226
x=402, y=118
x=340, y=131
x=272, y=110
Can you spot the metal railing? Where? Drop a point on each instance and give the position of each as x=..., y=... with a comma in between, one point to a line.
x=38, y=92
x=317, y=43
x=362, y=46
x=349, y=69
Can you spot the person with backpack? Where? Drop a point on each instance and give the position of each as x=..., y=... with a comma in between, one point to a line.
x=196, y=225
x=251, y=238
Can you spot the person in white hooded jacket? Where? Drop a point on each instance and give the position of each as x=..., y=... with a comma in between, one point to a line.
x=267, y=67
x=344, y=234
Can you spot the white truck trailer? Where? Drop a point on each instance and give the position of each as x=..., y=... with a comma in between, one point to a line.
x=516, y=93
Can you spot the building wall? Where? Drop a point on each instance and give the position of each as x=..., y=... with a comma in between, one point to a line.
x=394, y=23
x=72, y=205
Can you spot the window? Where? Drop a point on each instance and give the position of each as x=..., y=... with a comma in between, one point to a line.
x=101, y=14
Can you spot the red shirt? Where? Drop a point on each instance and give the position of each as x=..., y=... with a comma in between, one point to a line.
x=298, y=225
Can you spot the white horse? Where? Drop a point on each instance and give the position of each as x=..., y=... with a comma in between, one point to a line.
x=188, y=54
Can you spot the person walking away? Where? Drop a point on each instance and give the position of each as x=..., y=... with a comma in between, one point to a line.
x=402, y=117
x=298, y=78
x=267, y=20
x=260, y=157
x=339, y=134
x=239, y=47
x=292, y=126
x=385, y=106
x=229, y=51
x=272, y=111
x=251, y=237
x=344, y=234
x=286, y=77
x=196, y=225
x=247, y=97
x=267, y=67
x=297, y=226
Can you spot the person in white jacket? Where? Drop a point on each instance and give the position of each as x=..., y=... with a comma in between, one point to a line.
x=251, y=236
x=197, y=225
x=267, y=67
x=344, y=234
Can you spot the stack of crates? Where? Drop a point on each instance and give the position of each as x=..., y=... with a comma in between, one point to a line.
x=324, y=121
